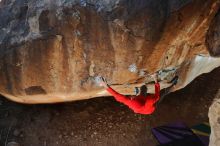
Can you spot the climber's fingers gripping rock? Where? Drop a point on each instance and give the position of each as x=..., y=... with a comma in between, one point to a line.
x=103, y=82
x=155, y=77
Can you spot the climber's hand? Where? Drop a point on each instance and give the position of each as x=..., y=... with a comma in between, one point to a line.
x=103, y=82
x=155, y=77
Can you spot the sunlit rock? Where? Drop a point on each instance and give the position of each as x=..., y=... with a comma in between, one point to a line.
x=214, y=119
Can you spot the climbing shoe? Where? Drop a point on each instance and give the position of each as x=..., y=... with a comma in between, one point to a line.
x=174, y=80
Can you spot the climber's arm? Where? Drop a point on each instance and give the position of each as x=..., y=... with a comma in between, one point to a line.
x=119, y=97
x=157, y=88
x=157, y=91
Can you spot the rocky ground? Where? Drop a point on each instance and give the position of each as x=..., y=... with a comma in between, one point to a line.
x=103, y=121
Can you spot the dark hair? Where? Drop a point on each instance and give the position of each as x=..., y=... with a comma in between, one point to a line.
x=143, y=91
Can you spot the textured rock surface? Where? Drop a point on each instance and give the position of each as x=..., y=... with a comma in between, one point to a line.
x=214, y=119
x=213, y=35
x=53, y=50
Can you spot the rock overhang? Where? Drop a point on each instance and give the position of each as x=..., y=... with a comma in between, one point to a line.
x=52, y=51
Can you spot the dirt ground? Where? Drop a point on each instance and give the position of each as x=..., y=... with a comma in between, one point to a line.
x=103, y=121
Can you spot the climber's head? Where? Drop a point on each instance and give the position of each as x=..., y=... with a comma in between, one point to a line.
x=143, y=90
x=140, y=90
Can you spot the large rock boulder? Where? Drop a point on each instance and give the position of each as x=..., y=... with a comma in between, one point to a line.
x=214, y=119
x=53, y=50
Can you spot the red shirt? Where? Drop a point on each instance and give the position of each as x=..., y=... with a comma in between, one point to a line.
x=139, y=104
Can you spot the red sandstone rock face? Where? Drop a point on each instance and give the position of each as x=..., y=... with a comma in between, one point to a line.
x=52, y=51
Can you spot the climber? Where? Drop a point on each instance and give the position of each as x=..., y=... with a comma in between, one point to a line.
x=142, y=103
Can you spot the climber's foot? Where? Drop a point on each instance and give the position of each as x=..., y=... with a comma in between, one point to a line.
x=174, y=80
